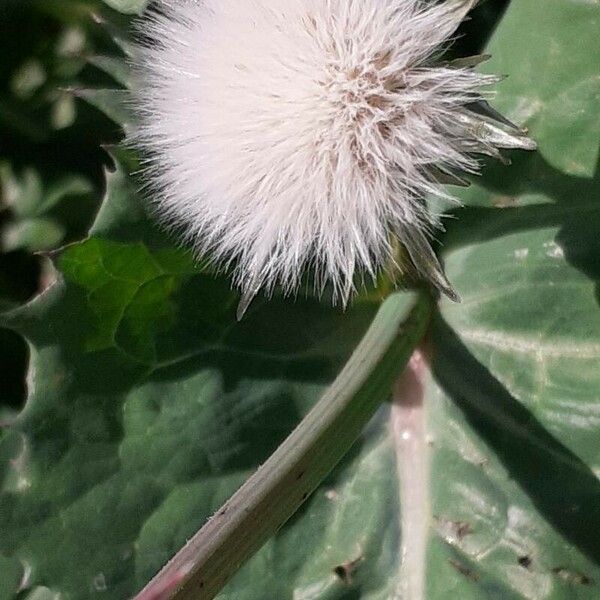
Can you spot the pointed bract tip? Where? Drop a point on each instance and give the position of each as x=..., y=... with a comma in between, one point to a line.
x=441, y=283
x=245, y=302
x=452, y=294
x=528, y=143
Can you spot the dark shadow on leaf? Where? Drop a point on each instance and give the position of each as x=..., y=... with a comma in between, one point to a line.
x=561, y=486
x=475, y=31
x=235, y=367
x=531, y=173
x=575, y=211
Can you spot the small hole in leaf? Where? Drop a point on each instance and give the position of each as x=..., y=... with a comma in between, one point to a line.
x=14, y=357
x=347, y=570
x=20, y=274
x=525, y=561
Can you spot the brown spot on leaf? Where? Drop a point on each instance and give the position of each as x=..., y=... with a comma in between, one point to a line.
x=346, y=570
x=463, y=529
x=463, y=570
x=456, y=530
x=572, y=577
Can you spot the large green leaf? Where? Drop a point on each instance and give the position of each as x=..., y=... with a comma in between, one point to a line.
x=515, y=423
x=148, y=405
x=514, y=404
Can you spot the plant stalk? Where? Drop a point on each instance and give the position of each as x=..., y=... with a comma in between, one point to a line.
x=279, y=487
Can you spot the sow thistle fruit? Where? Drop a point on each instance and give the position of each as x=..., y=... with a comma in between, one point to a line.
x=290, y=136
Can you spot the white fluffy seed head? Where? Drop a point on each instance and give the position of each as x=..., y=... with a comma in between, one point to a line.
x=292, y=135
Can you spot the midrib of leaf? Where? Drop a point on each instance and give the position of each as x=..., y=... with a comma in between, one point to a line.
x=409, y=434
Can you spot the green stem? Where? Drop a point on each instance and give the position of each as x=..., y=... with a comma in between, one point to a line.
x=278, y=488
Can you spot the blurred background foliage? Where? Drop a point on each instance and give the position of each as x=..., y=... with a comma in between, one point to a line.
x=51, y=156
